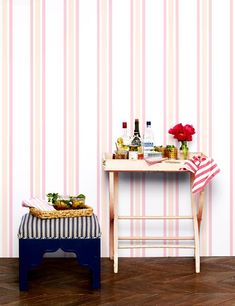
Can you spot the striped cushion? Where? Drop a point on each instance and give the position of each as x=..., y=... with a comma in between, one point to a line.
x=77, y=227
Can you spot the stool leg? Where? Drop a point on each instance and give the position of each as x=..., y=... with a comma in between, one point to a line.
x=31, y=255
x=23, y=275
x=23, y=267
x=95, y=270
x=88, y=254
x=93, y=261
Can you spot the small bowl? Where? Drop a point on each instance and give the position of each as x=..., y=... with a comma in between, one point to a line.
x=78, y=203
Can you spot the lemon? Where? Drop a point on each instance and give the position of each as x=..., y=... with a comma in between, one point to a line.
x=120, y=141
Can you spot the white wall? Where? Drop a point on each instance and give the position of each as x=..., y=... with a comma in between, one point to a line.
x=73, y=70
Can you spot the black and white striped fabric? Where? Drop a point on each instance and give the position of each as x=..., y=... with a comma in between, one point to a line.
x=61, y=228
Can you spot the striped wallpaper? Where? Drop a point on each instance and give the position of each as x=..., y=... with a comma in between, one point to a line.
x=73, y=70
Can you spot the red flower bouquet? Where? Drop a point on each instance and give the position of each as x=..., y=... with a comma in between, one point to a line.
x=182, y=132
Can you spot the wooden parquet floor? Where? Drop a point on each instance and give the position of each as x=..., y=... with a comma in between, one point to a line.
x=140, y=281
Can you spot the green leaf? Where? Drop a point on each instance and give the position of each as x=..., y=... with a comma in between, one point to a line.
x=81, y=196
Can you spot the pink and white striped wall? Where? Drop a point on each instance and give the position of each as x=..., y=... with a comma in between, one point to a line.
x=73, y=70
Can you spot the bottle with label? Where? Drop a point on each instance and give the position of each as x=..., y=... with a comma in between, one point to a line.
x=148, y=140
x=124, y=140
x=125, y=136
x=135, y=147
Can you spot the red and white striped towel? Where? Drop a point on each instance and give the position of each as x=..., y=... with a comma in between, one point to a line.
x=204, y=169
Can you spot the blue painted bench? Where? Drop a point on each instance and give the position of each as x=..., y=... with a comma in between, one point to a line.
x=80, y=235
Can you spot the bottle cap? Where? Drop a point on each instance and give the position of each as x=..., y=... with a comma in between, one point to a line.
x=124, y=125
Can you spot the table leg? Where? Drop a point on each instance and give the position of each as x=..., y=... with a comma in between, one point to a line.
x=111, y=213
x=113, y=216
x=115, y=223
x=196, y=228
x=200, y=209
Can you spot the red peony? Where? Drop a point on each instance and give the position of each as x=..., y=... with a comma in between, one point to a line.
x=182, y=132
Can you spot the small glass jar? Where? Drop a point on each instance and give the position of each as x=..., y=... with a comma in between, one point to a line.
x=171, y=152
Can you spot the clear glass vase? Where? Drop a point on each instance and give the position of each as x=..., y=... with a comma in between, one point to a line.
x=184, y=150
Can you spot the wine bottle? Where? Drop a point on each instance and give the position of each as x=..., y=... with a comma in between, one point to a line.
x=123, y=141
x=125, y=136
x=136, y=143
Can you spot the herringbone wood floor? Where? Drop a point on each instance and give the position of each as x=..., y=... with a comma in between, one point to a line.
x=140, y=281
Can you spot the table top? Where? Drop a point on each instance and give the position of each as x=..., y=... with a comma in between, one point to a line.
x=126, y=165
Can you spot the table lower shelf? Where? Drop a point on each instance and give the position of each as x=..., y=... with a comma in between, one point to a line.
x=154, y=217
x=146, y=246
x=156, y=238
x=135, y=245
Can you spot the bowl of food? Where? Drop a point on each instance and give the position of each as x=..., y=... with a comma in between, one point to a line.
x=66, y=202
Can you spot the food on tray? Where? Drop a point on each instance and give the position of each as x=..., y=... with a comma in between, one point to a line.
x=61, y=205
x=66, y=202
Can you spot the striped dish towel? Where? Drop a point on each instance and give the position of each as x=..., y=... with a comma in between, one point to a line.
x=38, y=203
x=204, y=169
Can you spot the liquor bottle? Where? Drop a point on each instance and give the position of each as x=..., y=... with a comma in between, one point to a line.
x=148, y=140
x=124, y=140
x=125, y=136
x=135, y=148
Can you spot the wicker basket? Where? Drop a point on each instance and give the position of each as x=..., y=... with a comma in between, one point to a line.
x=83, y=212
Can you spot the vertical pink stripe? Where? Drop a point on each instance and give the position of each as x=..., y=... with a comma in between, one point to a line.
x=170, y=69
x=210, y=77
x=143, y=117
x=131, y=209
x=110, y=79
x=5, y=121
x=31, y=99
x=37, y=116
x=65, y=97
x=131, y=118
x=204, y=105
x=164, y=71
x=143, y=209
x=177, y=208
x=143, y=68
x=164, y=209
x=170, y=105
x=204, y=77
x=11, y=209
x=210, y=126
x=77, y=101
x=231, y=130
x=137, y=209
x=131, y=69
x=198, y=75
x=210, y=220
x=164, y=115
x=71, y=66
x=177, y=110
x=43, y=99
x=177, y=60
x=98, y=108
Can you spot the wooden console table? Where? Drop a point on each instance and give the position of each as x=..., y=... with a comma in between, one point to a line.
x=113, y=167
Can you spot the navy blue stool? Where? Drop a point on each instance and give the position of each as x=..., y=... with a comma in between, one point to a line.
x=80, y=235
